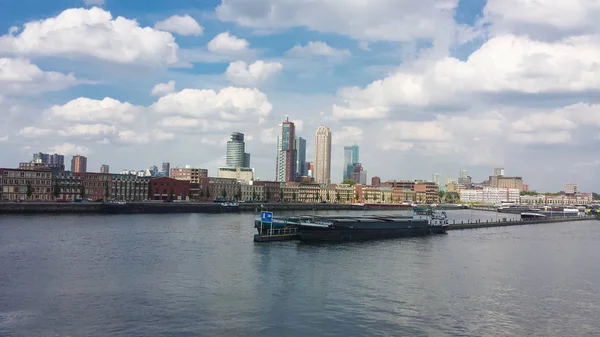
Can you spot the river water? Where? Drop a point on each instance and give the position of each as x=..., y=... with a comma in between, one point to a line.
x=201, y=275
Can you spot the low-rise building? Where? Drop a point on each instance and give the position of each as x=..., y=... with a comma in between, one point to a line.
x=224, y=188
x=237, y=173
x=272, y=190
x=96, y=186
x=127, y=187
x=489, y=195
x=252, y=192
x=68, y=186
x=18, y=184
x=54, y=168
x=192, y=175
x=427, y=192
x=165, y=188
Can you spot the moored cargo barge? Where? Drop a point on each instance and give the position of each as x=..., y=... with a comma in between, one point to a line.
x=339, y=228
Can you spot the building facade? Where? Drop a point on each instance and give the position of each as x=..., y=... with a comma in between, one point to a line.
x=96, y=186
x=286, y=153
x=69, y=186
x=272, y=190
x=79, y=164
x=301, y=168
x=165, y=188
x=376, y=181
x=489, y=195
x=104, y=168
x=225, y=189
x=192, y=175
x=166, y=168
x=350, y=158
x=506, y=182
x=33, y=185
x=237, y=173
x=45, y=158
x=236, y=151
x=126, y=187
x=322, y=172
x=54, y=168
x=571, y=189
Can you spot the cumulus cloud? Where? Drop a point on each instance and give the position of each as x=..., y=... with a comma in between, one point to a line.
x=93, y=33
x=69, y=149
x=32, y=131
x=241, y=73
x=317, y=48
x=162, y=89
x=20, y=76
x=376, y=20
x=346, y=135
x=88, y=130
x=526, y=66
x=229, y=104
x=133, y=137
x=183, y=25
x=227, y=43
x=84, y=109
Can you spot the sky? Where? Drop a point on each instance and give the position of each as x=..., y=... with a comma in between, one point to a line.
x=423, y=87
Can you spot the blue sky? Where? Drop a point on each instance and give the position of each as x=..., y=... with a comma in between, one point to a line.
x=422, y=87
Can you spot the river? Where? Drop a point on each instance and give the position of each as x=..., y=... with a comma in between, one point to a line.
x=201, y=275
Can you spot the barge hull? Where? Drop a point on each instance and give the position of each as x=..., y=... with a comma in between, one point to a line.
x=337, y=235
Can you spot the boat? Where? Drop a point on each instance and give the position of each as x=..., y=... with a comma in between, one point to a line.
x=352, y=228
x=532, y=216
x=277, y=223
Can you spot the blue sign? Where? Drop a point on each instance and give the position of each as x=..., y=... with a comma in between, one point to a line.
x=266, y=217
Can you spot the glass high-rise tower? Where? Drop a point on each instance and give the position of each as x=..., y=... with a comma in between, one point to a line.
x=236, y=151
x=350, y=158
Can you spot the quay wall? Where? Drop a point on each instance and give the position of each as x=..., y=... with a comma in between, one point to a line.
x=518, y=222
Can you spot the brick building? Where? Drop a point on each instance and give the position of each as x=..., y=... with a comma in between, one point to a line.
x=272, y=190
x=14, y=184
x=95, y=185
x=192, y=175
x=166, y=188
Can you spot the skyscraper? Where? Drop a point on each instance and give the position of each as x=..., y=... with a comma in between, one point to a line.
x=436, y=178
x=498, y=172
x=104, y=168
x=236, y=151
x=323, y=155
x=166, y=168
x=79, y=164
x=286, y=153
x=350, y=158
x=300, y=146
x=463, y=174
x=45, y=158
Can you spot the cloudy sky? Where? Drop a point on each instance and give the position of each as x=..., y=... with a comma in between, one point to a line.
x=422, y=86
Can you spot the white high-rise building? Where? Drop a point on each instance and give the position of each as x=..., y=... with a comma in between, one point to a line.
x=498, y=171
x=436, y=178
x=571, y=189
x=323, y=155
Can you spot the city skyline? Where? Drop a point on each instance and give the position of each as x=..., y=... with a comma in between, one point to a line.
x=403, y=82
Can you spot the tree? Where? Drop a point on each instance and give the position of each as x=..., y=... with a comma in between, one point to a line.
x=238, y=195
x=294, y=196
x=319, y=197
x=29, y=189
x=349, y=182
x=172, y=195
x=56, y=190
x=267, y=195
x=337, y=196
x=356, y=196
x=328, y=196
x=106, y=191
x=224, y=194
x=207, y=193
x=382, y=197
x=348, y=197
x=253, y=195
x=201, y=193
x=83, y=193
x=441, y=195
x=596, y=196
x=281, y=195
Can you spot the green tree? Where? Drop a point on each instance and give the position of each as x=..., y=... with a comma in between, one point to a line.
x=82, y=192
x=56, y=190
x=319, y=197
x=328, y=196
x=267, y=195
x=253, y=195
x=441, y=195
x=172, y=195
x=596, y=196
x=349, y=182
x=207, y=193
x=224, y=194
x=201, y=192
x=281, y=195
x=534, y=193
x=337, y=196
x=348, y=197
x=106, y=191
x=294, y=196
x=29, y=191
x=382, y=197
x=356, y=196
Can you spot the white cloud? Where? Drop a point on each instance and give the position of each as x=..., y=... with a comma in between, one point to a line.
x=160, y=135
x=183, y=25
x=543, y=18
x=88, y=130
x=179, y=122
x=4, y=138
x=69, y=149
x=93, y=32
x=526, y=66
x=20, y=76
x=241, y=73
x=227, y=43
x=229, y=104
x=162, y=89
x=317, y=48
x=347, y=134
x=84, y=109
x=32, y=131
x=132, y=137
x=375, y=20
x=94, y=2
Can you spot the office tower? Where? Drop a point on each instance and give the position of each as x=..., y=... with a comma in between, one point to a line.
x=323, y=155
x=104, y=168
x=350, y=158
x=436, y=178
x=166, y=168
x=44, y=158
x=310, y=169
x=79, y=164
x=300, y=146
x=571, y=188
x=498, y=172
x=463, y=174
x=286, y=153
x=376, y=181
x=236, y=151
